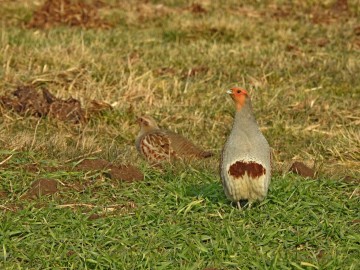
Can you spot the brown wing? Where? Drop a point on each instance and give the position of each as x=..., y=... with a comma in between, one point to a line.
x=183, y=147
x=155, y=147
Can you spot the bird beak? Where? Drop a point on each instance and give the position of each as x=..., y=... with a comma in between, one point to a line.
x=229, y=92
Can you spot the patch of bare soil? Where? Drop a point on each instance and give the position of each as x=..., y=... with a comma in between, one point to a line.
x=27, y=100
x=3, y=194
x=319, y=13
x=40, y=188
x=350, y=179
x=340, y=9
x=93, y=165
x=127, y=173
x=68, y=12
x=67, y=110
x=301, y=169
x=197, y=8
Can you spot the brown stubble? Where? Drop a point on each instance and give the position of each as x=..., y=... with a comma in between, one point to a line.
x=302, y=86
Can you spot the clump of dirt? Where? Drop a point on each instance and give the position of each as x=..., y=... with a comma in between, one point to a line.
x=40, y=188
x=30, y=167
x=197, y=8
x=70, y=253
x=93, y=165
x=67, y=110
x=350, y=179
x=340, y=6
x=3, y=194
x=127, y=173
x=301, y=169
x=68, y=12
x=338, y=10
x=27, y=100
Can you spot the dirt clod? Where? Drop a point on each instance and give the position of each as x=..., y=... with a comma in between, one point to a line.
x=41, y=187
x=301, y=169
x=30, y=167
x=26, y=100
x=29, y=101
x=94, y=216
x=3, y=194
x=70, y=253
x=197, y=8
x=68, y=12
x=67, y=110
x=340, y=6
x=350, y=179
x=126, y=173
x=93, y=165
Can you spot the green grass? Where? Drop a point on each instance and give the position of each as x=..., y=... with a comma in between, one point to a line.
x=163, y=60
x=183, y=221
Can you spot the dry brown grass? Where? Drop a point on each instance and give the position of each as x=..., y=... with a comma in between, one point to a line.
x=300, y=63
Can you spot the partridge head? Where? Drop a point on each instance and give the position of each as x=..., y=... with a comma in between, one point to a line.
x=245, y=162
x=157, y=145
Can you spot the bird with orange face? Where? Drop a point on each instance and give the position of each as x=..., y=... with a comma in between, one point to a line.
x=245, y=161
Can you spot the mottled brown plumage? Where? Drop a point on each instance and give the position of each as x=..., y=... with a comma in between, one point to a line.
x=158, y=145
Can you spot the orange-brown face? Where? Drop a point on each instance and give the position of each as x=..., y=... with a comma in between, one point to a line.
x=147, y=123
x=238, y=95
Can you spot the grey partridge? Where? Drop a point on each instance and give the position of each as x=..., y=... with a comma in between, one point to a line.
x=245, y=162
x=158, y=145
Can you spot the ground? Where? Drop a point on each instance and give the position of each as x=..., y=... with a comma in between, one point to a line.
x=75, y=194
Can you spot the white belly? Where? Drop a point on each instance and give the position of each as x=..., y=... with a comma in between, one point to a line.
x=241, y=183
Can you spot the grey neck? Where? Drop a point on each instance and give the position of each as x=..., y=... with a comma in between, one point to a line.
x=245, y=114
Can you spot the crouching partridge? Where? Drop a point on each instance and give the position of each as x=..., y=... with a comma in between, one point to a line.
x=158, y=145
x=245, y=162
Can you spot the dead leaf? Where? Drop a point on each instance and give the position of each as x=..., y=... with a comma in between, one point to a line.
x=301, y=169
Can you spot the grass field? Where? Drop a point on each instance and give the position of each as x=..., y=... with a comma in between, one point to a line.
x=174, y=60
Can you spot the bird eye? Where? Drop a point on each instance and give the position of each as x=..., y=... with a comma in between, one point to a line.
x=238, y=91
